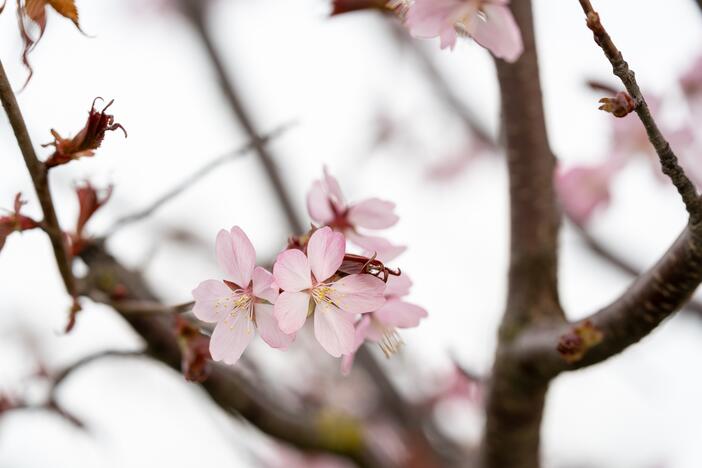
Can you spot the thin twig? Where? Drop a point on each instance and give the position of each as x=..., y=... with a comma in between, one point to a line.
x=195, y=11
x=191, y=179
x=668, y=159
x=40, y=179
x=60, y=377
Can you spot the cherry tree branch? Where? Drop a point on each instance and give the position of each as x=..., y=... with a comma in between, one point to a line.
x=516, y=395
x=40, y=180
x=668, y=159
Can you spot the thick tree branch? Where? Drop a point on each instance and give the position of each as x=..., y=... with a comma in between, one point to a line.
x=668, y=159
x=40, y=179
x=653, y=297
x=195, y=11
x=517, y=394
x=534, y=214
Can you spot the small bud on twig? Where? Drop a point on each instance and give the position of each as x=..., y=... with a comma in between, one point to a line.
x=620, y=105
x=574, y=344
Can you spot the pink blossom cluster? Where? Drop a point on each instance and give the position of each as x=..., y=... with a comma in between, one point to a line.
x=349, y=298
x=488, y=22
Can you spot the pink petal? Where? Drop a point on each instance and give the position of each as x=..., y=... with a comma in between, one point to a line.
x=398, y=286
x=290, y=310
x=378, y=246
x=334, y=191
x=236, y=255
x=448, y=37
x=347, y=363
x=429, y=18
x=359, y=338
x=358, y=294
x=268, y=327
x=498, y=33
x=334, y=330
x=325, y=251
x=291, y=271
x=264, y=286
x=584, y=189
x=373, y=214
x=318, y=204
x=400, y=314
x=231, y=337
x=212, y=300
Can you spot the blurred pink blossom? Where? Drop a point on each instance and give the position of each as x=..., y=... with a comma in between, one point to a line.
x=584, y=189
x=489, y=22
x=242, y=303
x=326, y=205
x=310, y=285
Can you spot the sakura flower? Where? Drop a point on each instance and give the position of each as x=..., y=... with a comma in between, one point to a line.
x=311, y=285
x=489, y=22
x=584, y=189
x=241, y=304
x=326, y=206
x=381, y=326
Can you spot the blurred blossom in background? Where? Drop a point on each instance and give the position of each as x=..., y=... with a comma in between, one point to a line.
x=358, y=100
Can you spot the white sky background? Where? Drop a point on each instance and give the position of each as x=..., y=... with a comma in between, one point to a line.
x=331, y=77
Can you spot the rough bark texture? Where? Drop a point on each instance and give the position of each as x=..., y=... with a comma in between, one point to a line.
x=517, y=393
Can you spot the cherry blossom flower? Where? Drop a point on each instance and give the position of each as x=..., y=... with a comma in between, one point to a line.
x=381, y=326
x=584, y=189
x=326, y=205
x=310, y=284
x=489, y=22
x=241, y=304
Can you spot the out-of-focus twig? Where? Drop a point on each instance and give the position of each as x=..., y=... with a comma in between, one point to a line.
x=441, y=87
x=60, y=377
x=191, y=179
x=195, y=11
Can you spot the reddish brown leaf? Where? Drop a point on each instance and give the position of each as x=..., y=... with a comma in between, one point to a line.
x=32, y=14
x=89, y=201
x=86, y=141
x=15, y=221
x=195, y=350
x=67, y=9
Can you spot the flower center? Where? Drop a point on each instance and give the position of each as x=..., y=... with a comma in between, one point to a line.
x=236, y=305
x=390, y=342
x=321, y=293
